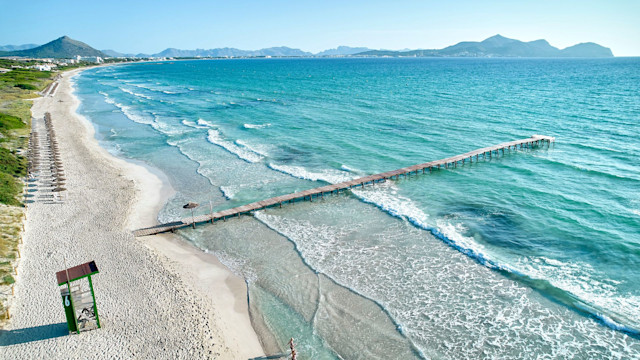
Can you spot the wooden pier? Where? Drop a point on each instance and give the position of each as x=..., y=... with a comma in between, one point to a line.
x=453, y=161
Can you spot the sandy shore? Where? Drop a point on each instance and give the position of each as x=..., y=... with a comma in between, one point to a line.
x=157, y=296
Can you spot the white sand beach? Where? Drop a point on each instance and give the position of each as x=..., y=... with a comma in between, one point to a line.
x=157, y=297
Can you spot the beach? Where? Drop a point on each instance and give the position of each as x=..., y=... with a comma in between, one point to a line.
x=157, y=297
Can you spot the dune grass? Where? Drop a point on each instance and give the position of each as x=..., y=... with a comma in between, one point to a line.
x=17, y=87
x=11, y=218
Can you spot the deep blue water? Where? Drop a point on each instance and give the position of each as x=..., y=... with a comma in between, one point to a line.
x=533, y=254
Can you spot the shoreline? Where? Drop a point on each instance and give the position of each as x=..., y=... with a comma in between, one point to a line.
x=203, y=271
x=199, y=307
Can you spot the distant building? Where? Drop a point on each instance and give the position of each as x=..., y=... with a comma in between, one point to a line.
x=92, y=59
x=41, y=67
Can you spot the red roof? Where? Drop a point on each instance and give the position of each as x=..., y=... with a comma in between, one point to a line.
x=77, y=272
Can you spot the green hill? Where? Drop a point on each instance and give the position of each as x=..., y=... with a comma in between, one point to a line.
x=64, y=47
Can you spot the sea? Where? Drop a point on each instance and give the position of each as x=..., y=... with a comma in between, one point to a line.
x=534, y=254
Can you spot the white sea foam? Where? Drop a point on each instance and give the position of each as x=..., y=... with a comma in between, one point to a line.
x=331, y=176
x=228, y=191
x=131, y=115
x=260, y=150
x=126, y=110
x=583, y=282
x=256, y=126
x=216, y=137
x=349, y=169
x=136, y=94
x=107, y=99
x=193, y=124
x=203, y=122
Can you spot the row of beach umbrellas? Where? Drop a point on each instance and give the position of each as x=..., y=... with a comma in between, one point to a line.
x=37, y=161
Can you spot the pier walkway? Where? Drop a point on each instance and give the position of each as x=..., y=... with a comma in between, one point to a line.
x=453, y=161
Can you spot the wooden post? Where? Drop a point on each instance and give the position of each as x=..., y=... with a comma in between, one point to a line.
x=95, y=307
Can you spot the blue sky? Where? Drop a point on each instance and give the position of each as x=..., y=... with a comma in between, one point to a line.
x=151, y=26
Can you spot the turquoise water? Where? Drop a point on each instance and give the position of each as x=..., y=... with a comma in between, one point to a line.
x=533, y=254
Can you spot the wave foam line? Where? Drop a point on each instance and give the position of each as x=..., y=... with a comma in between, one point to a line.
x=449, y=235
x=126, y=110
x=215, y=137
x=136, y=94
x=244, y=144
x=329, y=176
x=264, y=218
x=256, y=126
x=193, y=124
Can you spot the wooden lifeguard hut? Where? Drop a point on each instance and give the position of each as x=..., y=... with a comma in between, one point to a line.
x=78, y=298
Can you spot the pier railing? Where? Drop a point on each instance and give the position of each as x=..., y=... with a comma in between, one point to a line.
x=453, y=161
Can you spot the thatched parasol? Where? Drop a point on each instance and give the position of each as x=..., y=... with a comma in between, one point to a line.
x=59, y=189
x=191, y=205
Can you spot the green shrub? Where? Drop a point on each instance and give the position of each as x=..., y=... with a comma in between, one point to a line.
x=10, y=122
x=26, y=86
x=10, y=187
x=11, y=163
x=7, y=280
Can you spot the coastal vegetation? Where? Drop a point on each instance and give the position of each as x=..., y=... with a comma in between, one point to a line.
x=17, y=87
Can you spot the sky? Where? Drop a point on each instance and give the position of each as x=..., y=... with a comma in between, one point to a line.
x=140, y=26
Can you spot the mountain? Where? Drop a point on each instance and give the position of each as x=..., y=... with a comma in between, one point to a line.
x=17, y=47
x=231, y=52
x=586, y=50
x=113, y=53
x=64, y=47
x=342, y=50
x=500, y=46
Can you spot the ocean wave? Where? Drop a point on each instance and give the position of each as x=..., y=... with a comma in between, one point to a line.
x=261, y=151
x=136, y=94
x=107, y=99
x=126, y=110
x=193, y=124
x=330, y=176
x=203, y=122
x=350, y=169
x=256, y=126
x=292, y=230
x=585, y=292
x=216, y=138
x=228, y=191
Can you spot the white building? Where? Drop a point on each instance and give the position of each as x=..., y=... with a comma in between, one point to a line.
x=42, y=67
x=93, y=59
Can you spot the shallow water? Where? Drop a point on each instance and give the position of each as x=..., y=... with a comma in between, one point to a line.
x=528, y=255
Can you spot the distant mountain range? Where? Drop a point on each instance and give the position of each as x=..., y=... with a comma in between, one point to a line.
x=500, y=46
x=64, y=47
x=495, y=46
x=343, y=51
x=17, y=47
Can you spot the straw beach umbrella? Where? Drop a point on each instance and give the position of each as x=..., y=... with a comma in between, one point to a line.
x=192, y=205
